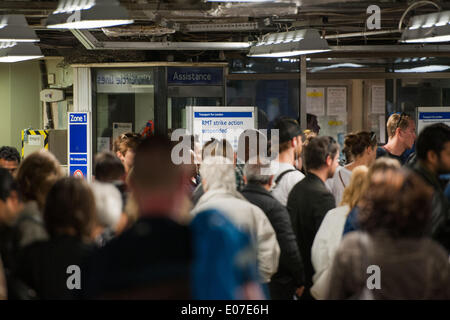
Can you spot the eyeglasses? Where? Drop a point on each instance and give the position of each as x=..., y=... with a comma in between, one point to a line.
x=400, y=120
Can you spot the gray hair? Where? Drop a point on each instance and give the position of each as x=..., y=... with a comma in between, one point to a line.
x=108, y=204
x=219, y=173
x=257, y=171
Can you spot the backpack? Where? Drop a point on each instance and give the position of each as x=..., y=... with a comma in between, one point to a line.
x=224, y=259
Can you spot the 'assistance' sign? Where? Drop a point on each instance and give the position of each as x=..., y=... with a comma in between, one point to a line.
x=221, y=122
x=79, y=146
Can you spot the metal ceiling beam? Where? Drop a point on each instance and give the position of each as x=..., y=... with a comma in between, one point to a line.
x=401, y=48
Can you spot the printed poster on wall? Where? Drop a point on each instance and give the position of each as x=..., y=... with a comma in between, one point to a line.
x=336, y=101
x=378, y=99
x=120, y=128
x=315, y=101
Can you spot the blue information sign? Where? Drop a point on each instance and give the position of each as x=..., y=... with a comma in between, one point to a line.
x=79, y=147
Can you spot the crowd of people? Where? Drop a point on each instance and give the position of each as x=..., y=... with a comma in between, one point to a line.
x=289, y=223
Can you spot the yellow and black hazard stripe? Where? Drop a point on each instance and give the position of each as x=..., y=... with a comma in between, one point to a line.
x=34, y=133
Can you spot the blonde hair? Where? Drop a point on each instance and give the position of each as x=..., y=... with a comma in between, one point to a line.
x=354, y=191
x=395, y=122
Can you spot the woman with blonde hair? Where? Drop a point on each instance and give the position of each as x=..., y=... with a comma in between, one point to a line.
x=329, y=234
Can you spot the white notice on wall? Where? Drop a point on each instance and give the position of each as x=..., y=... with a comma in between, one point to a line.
x=120, y=128
x=315, y=101
x=378, y=99
x=222, y=122
x=103, y=144
x=336, y=101
x=34, y=140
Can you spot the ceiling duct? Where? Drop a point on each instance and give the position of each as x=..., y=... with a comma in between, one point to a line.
x=137, y=31
x=211, y=27
x=254, y=10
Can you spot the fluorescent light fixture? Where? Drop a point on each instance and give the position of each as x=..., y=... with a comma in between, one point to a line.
x=88, y=14
x=10, y=52
x=14, y=27
x=434, y=27
x=335, y=66
x=432, y=68
x=288, y=44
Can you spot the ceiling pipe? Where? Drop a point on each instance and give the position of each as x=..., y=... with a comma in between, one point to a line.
x=360, y=34
x=91, y=43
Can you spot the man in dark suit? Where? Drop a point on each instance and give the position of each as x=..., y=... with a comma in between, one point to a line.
x=310, y=200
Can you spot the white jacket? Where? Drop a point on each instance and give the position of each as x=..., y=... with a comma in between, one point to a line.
x=324, y=247
x=250, y=218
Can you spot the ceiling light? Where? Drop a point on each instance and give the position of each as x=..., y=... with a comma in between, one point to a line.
x=14, y=27
x=432, y=68
x=288, y=44
x=335, y=66
x=88, y=14
x=14, y=52
x=432, y=27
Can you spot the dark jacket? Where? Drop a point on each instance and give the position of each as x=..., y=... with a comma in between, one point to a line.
x=308, y=203
x=151, y=260
x=381, y=152
x=290, y=266
x=439, y=227
x=43, y=266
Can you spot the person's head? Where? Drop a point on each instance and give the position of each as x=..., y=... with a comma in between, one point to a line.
x=402, y=127
x=9, y=159
x=217, y=172
x=108, y=168
x=396, y=201
x=108, y=204
x=157, y=184
x=433, y=147
x=312, y=123
x=322, y=153
x=290, y=136
x=259, y=172
x=70, y=209
x=362, y=145
x=354, y=191
x=252, y=143
x=125, y=148
x=36, y=175
x=9, y=197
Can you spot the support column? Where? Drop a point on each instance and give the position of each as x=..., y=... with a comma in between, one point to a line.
x=82, y=90
x=302, y=100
